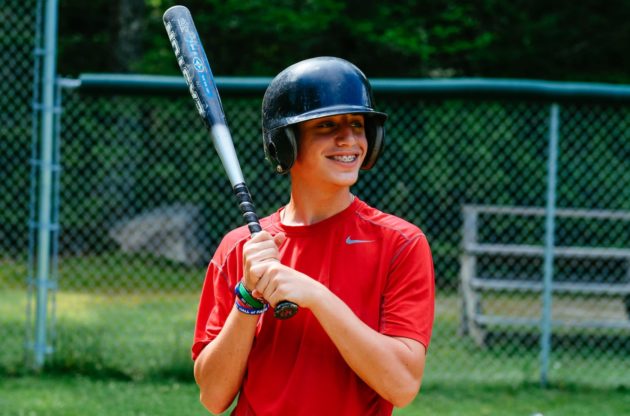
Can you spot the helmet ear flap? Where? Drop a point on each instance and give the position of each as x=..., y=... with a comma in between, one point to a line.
x=375, y=134
x=281, y=148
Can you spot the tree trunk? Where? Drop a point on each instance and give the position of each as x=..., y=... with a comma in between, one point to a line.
x=131, y=27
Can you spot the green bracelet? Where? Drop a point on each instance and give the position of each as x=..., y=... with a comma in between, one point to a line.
x=246, y=296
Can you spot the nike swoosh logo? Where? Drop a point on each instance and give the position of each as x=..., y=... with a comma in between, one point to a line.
x=351, y=241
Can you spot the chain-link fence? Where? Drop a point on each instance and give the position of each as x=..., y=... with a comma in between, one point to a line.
x=17, y=52
x=143, y=202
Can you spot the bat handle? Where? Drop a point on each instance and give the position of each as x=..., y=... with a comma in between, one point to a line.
x=247, y=208
x=284, y=309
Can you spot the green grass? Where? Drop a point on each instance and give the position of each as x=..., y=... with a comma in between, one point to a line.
x=111, y=272
x=75, y=395
x=139, y=336
x=126, y=336
x=123, y=347
x=484, y=399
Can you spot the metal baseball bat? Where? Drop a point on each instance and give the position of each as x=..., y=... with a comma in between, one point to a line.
x=193, y=62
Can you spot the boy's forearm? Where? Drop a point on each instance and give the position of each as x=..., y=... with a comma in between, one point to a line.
x=393, y=367
x=220, y=367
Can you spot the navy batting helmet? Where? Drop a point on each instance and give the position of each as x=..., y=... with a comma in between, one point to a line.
x=314, y=88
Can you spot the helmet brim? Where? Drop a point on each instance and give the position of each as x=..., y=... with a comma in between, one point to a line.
x=327, y=112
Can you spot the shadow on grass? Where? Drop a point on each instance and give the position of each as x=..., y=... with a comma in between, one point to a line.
x=83, y=350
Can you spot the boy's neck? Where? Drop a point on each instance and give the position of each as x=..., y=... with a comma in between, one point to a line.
x=307, y=208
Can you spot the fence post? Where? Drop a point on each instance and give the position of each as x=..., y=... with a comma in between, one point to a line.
x=550, y=213
x=46, y=164
x=470, y=299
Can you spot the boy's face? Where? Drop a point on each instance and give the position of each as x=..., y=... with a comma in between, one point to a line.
x=331, y=150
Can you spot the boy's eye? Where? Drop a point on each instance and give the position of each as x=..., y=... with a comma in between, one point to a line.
x=326, y=124
x=333, y=124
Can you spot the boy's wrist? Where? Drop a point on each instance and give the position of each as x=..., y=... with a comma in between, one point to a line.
x=246, y=303
x=244, y=309
x=316, y=296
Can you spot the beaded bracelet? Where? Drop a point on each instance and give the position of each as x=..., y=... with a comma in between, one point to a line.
x=246, y=297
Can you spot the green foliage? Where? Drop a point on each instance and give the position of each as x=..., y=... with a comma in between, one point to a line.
x=561, y=40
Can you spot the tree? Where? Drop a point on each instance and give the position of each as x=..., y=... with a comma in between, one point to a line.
x=563, y=40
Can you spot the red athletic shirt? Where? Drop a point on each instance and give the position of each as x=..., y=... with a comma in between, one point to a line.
x=378, y=264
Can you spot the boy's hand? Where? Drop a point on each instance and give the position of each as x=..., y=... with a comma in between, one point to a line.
x=261, y=248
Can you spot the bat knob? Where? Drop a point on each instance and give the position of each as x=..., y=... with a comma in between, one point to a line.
x=285, y=310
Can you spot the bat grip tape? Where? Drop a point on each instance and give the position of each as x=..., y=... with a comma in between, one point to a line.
x=284, y=309
x=248, y=210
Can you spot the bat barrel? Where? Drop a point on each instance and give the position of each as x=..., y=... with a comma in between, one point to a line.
x=193, y=62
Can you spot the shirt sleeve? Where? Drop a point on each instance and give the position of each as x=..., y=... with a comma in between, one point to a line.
x=217, y=298
x=409, y=298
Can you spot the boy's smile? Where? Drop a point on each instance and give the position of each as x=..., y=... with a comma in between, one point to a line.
x=331, y=149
